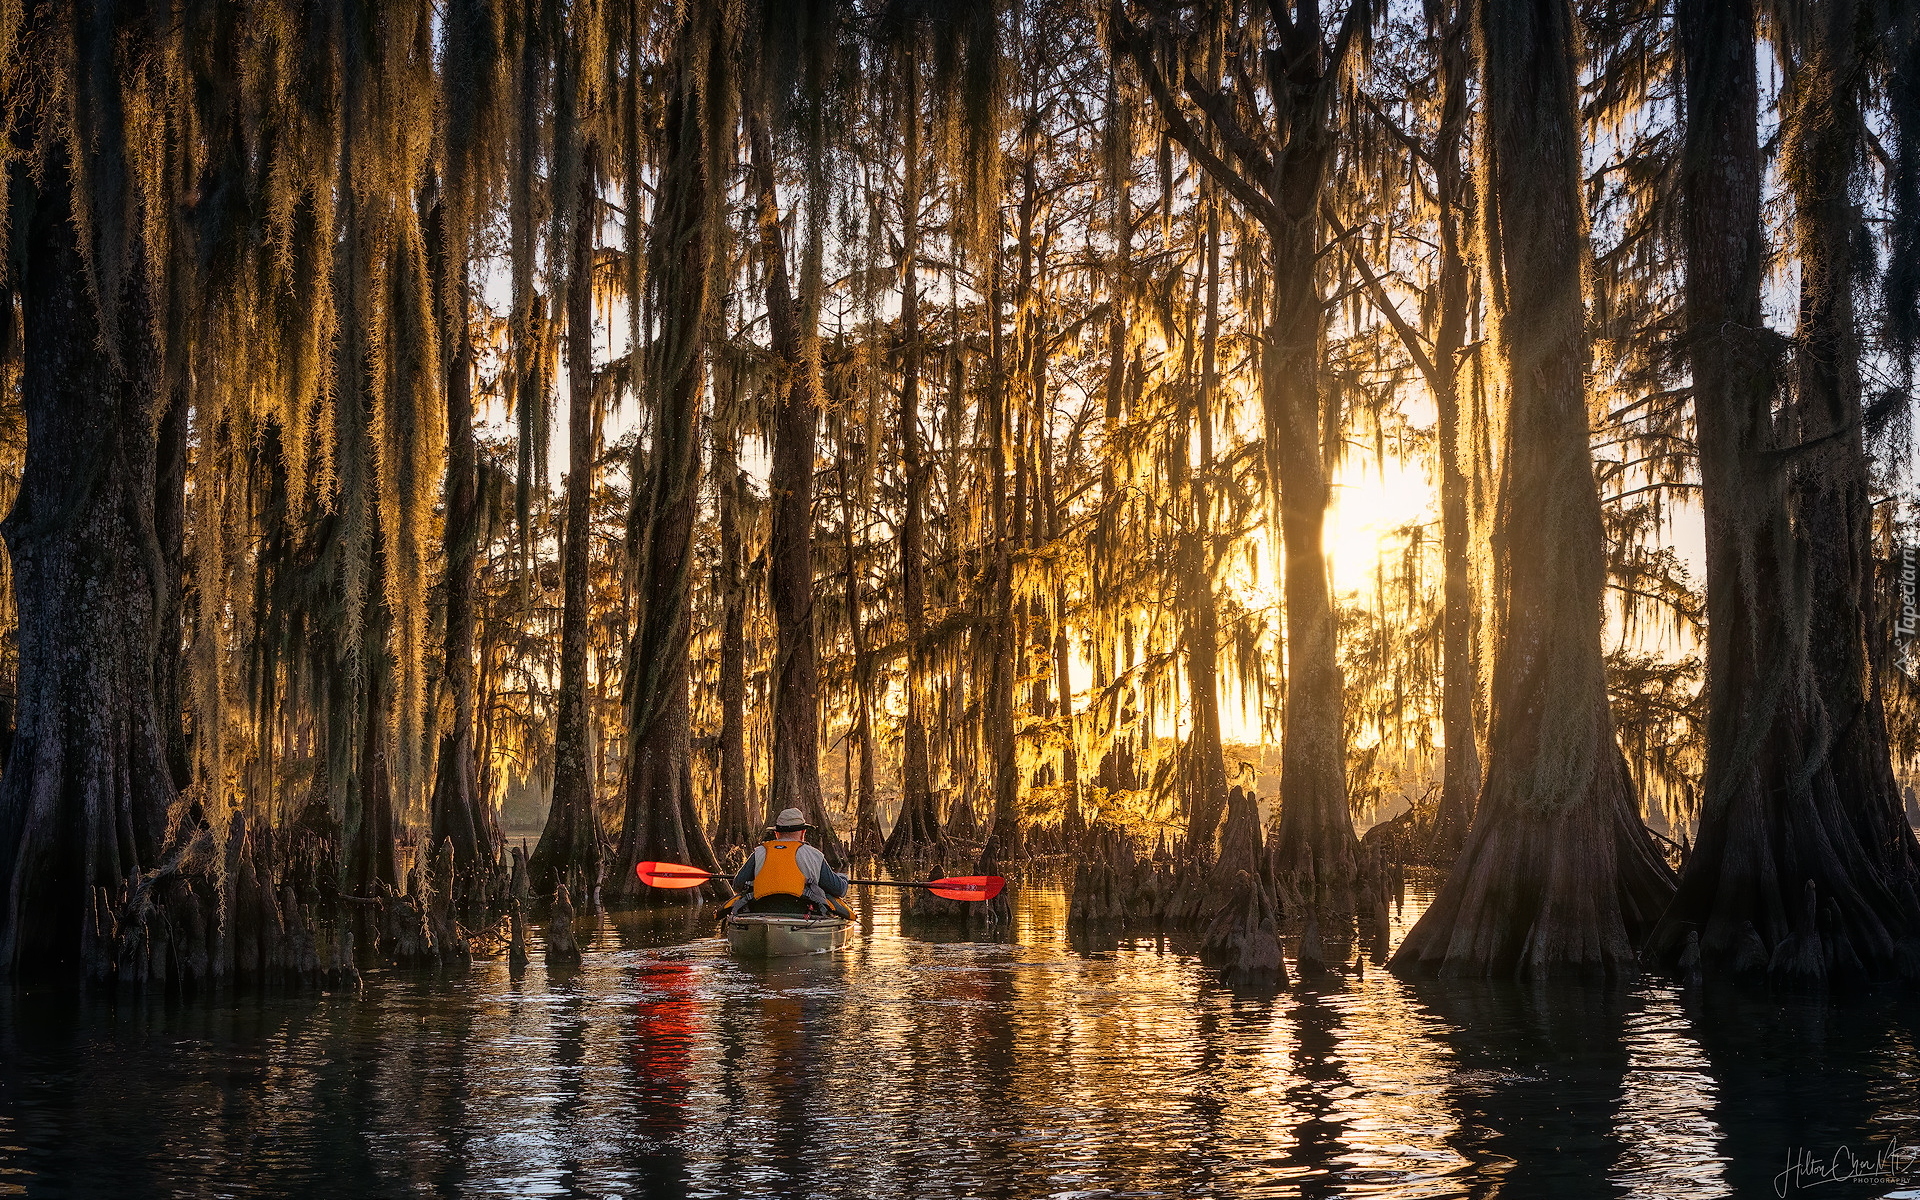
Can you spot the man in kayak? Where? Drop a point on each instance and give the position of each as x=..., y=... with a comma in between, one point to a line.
x=784, y=874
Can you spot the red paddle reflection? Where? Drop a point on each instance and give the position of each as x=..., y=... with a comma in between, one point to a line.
x=665, y=1035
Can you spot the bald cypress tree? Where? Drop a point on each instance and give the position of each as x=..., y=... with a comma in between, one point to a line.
x=1268, y=141
x=916, y=829
x=85, y=794
x=804, y=34
x=1802, y=870
x=284, y=283
x=570, y=846
x=733, y=826
x=469, y=126
x=1557, y=874
x=697, y=114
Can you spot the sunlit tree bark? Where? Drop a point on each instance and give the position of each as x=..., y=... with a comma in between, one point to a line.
x=1460, y=778
x=1206, y=768
x=1557, y=875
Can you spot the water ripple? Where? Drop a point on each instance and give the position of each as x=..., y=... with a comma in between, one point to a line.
x=915, y=1066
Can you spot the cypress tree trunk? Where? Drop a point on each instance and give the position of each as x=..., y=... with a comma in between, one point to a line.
x=1114, y=772
x=570, y=847
x=368, y=828
x=84, y=798
x=733, y=827
x=1831, y=492
x=796, y=672
x=661, y=822
x=1056, y=652
x=458, y=808
x=1460, y=776
x=1073, y=821
x=916, y=830
x=1206, y=770
x=1002, y=648
x=867, y=838
x=1781, y=799
x=1558, y=874
x=1034, y=637
x=1316, y=829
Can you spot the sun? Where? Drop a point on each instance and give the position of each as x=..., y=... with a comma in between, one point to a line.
x=1371, y=507
x=1366, y=522
x=1366, y=519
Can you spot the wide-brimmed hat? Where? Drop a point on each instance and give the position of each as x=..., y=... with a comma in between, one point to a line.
x=791, y=818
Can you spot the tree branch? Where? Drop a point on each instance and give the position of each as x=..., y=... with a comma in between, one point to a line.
x=1127, y=37
x=1409, y=337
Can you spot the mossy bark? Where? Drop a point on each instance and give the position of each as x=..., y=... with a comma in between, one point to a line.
x=661, y=822
x=84, y=799
x=790, y=584
x=1787, y=779
x=1558, y=874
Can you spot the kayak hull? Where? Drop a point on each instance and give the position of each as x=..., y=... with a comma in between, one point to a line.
x=784, y=935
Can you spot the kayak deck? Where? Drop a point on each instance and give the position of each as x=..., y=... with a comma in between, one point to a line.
x=784, y=935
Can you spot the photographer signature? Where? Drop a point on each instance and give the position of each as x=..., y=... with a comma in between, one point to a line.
x=1892, y=1164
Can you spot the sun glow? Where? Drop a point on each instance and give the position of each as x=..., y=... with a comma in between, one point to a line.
x=1367, y=520
x=1371, y=508
x=1366, y=526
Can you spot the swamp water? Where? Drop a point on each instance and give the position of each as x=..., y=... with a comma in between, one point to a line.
x=925, y=1064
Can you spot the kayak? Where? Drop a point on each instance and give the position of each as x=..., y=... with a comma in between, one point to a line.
x=784, y=935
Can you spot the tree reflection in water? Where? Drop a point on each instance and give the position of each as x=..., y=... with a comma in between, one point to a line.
x=1537, y=1072
x=1858, y=1055
x=936, y=1066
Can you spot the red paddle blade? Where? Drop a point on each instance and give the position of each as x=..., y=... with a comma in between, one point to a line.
x=968, y=887
x=671, y=875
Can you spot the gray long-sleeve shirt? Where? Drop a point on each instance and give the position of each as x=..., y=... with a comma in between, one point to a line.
x=813, y=865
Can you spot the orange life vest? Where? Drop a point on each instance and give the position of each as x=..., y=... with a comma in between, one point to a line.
x=780, y=873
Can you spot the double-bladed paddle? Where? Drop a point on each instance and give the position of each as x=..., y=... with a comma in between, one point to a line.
x=960, y=887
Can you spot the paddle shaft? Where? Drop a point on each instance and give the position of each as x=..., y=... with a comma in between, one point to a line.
x=890, y=883
x=966, y=887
